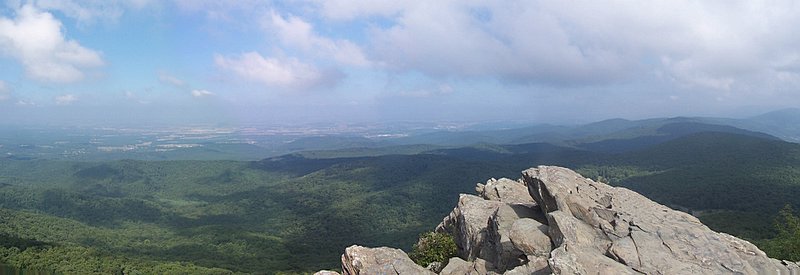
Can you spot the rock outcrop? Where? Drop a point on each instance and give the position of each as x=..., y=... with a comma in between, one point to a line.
x=504, y=190
x=381, y=260
x=554, y=221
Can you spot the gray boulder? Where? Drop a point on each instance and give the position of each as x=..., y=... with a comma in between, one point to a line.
x=457, y=266
x=530, y=237
x=382, y=260
x=505, y=190
x=534, y=266
x=498, y=247
x=467, y=224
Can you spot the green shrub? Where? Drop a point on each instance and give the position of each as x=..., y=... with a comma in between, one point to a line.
x=785, y=246
x=433, y=247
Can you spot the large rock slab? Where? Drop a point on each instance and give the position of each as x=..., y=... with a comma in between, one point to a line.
x=467, y=224
x=498, y=247
x=457, y=266
x=505, y=190
x=530, y=237
x=597, y=227
x=534, y=266
x=382, y=260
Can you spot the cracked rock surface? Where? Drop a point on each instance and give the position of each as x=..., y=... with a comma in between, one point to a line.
x=554, y=221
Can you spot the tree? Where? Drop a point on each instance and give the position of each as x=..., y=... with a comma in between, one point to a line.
x=786, y=245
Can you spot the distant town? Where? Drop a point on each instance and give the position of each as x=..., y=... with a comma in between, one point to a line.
x=89, y=143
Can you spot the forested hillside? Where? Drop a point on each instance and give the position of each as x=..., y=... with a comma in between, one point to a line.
x=297, y=212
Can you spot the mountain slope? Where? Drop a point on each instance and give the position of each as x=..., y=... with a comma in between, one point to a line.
x=655, y=133
x=783, y=123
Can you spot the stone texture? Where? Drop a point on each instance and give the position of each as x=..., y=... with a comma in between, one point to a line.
x=535, y=266
x=578, y=260
x=382, y=260
x=457, y=266
x=530, y=237
x=326, y=272
x=467, y=224
x=498, y=247
x=505, y=190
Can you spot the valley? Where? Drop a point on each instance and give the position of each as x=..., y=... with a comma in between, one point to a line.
x=296, y=212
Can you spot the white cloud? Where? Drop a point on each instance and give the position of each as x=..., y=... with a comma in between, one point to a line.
x=296, y=36
x=66, y=99
x=296, y=33
x=88, y=11
x=350, y=9
x=5, y=91
x=133, y=97
x=418, y=93
x=446, y=89
x=240, y=11
x=285, y=72
x=519, y=41
x=685, y=72
x=83, y=11
x=201, y=93
x=426, y=92
x=171, y=80
x=36, y=40
x=24, y=103
x=709, y=45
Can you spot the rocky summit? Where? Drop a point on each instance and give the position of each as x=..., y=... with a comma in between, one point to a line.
x=554, y=221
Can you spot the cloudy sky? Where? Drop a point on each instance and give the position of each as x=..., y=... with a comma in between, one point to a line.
x=347, y=60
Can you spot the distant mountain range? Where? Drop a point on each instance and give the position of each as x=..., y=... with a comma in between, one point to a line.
x=612, y=135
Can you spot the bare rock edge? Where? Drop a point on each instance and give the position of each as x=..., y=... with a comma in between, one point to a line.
x=555, y=221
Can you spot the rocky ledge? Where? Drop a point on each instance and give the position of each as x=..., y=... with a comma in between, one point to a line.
x=554, y=221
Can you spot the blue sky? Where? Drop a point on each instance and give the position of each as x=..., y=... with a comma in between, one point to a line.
x=343, y=60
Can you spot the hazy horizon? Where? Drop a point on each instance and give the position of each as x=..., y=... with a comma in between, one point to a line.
x=250, y=62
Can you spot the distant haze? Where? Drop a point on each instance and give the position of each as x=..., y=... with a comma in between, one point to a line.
x=243, y=62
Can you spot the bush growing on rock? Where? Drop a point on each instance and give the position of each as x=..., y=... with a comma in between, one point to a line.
x=433, y=247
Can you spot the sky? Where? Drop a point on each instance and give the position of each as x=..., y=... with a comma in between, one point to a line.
x=296, y=61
